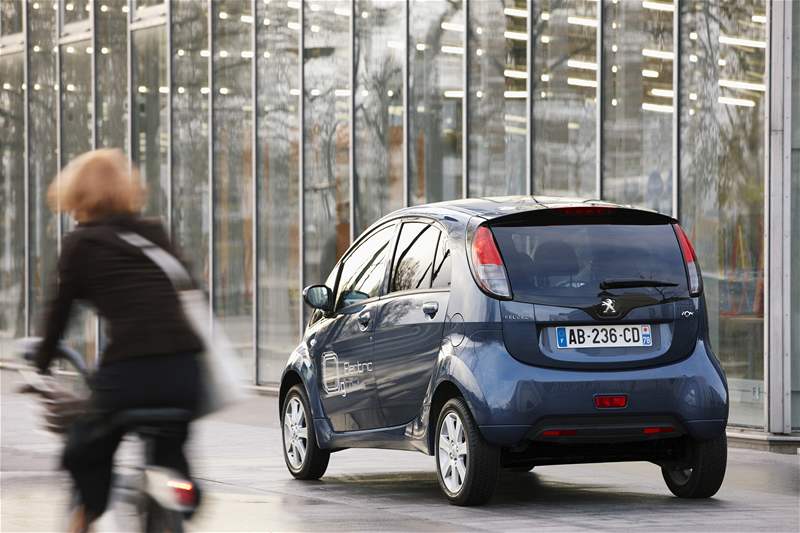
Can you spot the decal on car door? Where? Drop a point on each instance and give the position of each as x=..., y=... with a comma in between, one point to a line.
x=341, y=378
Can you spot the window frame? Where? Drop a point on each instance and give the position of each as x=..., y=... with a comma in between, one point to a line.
x=443, y=233
x=393, y=226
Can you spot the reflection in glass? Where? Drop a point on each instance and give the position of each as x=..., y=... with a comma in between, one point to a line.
x=722, y=182
x=76, y=138
x=498, y=116
x=42, y=157
x=638, y=103
x=564, y=90
x=111, y=72
x=327, y=129
x=149, y=90
x=190, y=211
x=12, y=198
x=10, y=17
x=233, y=172
x=278, y=175
x=379, y=49
x=76, y=10
x=436, y=91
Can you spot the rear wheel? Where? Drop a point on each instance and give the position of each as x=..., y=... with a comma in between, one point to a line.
x=304, y=458
x=466, y=465
x=703, y=475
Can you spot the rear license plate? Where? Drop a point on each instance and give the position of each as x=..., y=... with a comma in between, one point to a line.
x=603, y=336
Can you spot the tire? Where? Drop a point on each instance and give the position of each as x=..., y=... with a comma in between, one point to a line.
x=703, y=478
x=303, y=457
x=463, y=455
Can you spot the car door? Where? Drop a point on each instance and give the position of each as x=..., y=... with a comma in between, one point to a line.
x=343, y=341
x=409, y=330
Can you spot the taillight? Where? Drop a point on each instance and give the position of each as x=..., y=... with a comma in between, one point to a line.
x=488, y=263
x=559, y=433
x=183, y=491
x=690, y=259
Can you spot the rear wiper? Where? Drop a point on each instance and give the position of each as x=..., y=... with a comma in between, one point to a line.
x=632, y=283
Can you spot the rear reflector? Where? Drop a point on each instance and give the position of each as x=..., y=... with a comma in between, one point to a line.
x=690, y=259
x=489, y=268
x=559, y=433
x=654, y=430
x=607, y=401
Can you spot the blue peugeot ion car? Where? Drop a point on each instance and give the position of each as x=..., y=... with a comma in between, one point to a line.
x=508, y=333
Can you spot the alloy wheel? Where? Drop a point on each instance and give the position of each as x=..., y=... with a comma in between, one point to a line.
x=453, y=450
x=295, y=433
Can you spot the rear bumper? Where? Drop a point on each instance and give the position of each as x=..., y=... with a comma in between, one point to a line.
x=514, y=403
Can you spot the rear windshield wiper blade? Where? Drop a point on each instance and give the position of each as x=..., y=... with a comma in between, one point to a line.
x=633, y=283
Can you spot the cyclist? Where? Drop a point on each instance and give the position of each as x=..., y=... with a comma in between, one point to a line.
x=150, y=355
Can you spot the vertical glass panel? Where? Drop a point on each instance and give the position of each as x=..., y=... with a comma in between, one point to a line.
x=379, y=51
x=149, y=88
x=436, y=91
x=637, y=103
x=278, y=104
x=795, y=223
x=233, y=171
x=76, y=138
x=191, y=215
x=42, y=156
x=12, y=198
x=148, y=3
x=111, y=71
x=326, y=67
x=564, y=90
x=723, y=46
x=10, y=17
x=498, y=116
x=76, y=10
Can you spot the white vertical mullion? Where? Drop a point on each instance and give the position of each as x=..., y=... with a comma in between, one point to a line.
x=465, y=105
x=406, y=100
x=168, y=30
x=254, y=156
x=301, y=158
x=676, y=106
x=93, y=71
x=599, y=107
x=351, y=111
x=529, y=101
x=26, y=282
x=210, y=39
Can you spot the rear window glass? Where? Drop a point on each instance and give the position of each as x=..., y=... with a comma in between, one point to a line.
x=567, y=263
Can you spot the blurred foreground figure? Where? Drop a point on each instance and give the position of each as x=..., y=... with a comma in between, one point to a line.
x=150, y=358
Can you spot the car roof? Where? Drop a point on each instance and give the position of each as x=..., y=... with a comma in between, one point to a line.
x=499, y=206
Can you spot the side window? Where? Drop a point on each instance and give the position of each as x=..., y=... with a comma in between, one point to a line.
x=363, y=271
x=441, y=265
x=413, y=264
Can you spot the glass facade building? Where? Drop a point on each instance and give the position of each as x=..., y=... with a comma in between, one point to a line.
x=272, y=132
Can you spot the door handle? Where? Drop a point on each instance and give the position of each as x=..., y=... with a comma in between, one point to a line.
x=430, y=308
x=363, y=319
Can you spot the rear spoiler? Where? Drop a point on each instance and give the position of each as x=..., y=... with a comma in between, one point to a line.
x=583, y=214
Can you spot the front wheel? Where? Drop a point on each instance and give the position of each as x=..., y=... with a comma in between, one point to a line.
x=702, y=476
x=466, y=465
x=304, y=458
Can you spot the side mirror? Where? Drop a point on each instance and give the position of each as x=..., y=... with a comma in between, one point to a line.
x=318, y=297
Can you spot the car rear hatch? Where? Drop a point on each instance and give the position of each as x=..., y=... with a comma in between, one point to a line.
x=603, y=288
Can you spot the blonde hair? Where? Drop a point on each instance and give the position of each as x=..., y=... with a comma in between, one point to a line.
x=97, y=184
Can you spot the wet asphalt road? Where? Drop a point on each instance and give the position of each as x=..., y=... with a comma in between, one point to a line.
x=236, y=455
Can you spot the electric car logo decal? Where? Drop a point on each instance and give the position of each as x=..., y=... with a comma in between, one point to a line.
x=339, y=379
x=607, y=307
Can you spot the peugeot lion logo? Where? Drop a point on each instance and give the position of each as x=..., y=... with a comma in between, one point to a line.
x=607, y=307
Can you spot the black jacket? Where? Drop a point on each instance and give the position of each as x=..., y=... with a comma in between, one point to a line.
x=133, y=296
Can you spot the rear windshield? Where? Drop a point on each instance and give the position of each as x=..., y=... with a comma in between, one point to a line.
x=567, y=263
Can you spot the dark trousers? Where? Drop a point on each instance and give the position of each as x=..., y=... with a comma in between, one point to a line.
x=148, y=382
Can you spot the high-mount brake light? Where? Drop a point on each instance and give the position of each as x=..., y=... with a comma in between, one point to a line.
x=690, y=259
x=488, y=263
